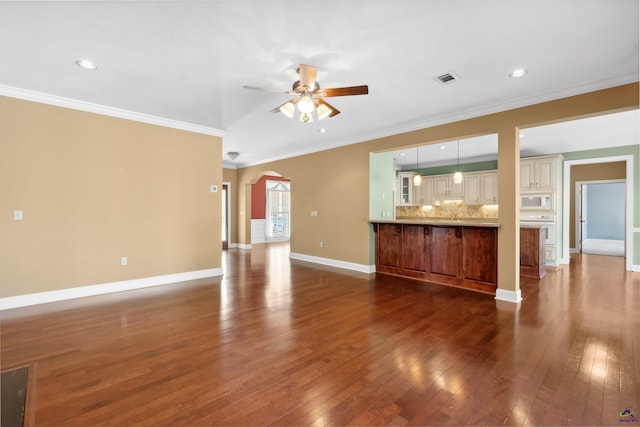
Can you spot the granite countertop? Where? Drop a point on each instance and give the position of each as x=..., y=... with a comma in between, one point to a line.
x=526, y=225
x=467, y=222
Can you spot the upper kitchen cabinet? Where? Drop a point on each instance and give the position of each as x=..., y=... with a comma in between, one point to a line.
x=423, y=194
x=481, y=188
x=404, y=188
x=444, y=188
x=540, y=174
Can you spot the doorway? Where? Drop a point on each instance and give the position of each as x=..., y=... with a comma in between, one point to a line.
x=600, y=222
x=225, y=216
x=569, y=192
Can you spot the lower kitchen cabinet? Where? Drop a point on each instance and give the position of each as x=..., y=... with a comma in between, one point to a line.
x=445, y=251
x=462, y=256
x=532, y=252
x=414, y=236
x=480, y=255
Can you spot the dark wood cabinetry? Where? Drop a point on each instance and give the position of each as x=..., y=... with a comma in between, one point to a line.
x=414, y=236
x=532, y=255
x=464, y=256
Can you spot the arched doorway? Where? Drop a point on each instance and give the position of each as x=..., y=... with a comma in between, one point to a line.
x=270, y=208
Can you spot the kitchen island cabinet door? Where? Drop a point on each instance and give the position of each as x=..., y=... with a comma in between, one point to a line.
x=415, y=248
x=445, y=251
x=480, y=255
x=532, y=252
x=389, y=237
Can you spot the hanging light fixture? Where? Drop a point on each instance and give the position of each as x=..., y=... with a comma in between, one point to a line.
x=417, y=179
x=305, y=105
x=457, y=177
x=288, y=109
x=325, y=110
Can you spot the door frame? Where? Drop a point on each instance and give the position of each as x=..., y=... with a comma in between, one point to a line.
x=628, y=217
x=227, y=216
x=580, y=203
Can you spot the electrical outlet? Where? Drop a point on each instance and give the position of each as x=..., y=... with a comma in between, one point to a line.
x=17, y=215
x=123, y=260
x=322, y=244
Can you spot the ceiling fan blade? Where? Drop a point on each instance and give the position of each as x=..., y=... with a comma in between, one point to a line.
x=326, y=110
x=343, y=91
x=308, y=76
x=265, y=89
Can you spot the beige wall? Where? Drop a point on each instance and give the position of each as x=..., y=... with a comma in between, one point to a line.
x=594, y=172
x=95, y=188
x=335, y=182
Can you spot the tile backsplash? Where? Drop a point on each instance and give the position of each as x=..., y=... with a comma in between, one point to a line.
x=453, y=209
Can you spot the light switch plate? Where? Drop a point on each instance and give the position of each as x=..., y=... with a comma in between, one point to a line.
x=17, y=215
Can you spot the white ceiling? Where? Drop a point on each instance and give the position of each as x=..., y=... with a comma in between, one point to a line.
x=187, y=61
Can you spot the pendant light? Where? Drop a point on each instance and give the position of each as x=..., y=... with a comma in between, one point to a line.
x=417, y=179
x=457, y=177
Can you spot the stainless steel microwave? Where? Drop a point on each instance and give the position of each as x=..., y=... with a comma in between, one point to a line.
x=536, y=202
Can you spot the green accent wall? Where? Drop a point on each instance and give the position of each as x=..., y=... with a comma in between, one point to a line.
x=468, y=167
x=381, y=192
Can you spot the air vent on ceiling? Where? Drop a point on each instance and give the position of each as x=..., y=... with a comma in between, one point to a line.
x=447, y=78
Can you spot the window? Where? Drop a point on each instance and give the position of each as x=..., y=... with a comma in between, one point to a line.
x=278, y=206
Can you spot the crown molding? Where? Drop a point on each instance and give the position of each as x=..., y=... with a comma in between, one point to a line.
x=74, y=104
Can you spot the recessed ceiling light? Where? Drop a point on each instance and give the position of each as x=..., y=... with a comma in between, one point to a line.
x=518, y=73
x=87, y=64
x=403, y=154
x=442, y=147
x=522, y=135
x=322, y=130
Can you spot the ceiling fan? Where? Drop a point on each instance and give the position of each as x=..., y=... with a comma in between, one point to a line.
x=309, y=96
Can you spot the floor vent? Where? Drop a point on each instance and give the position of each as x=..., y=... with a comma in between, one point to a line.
x=447, y=78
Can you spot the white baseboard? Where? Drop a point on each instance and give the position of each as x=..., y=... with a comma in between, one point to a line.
x=508, y=296
x=104, y=288
x=635, y=268
x=243, y=245
x=362, y=268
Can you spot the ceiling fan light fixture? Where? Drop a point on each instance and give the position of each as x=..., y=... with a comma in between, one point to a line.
x=306, y=117
x=288, y=109
x=308, y=96
x=323, y=111
x=305, y=105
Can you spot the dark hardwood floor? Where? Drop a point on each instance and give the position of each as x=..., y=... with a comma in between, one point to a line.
x=281, y=342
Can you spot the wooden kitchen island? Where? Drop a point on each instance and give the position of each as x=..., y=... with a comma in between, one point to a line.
x=454, y=253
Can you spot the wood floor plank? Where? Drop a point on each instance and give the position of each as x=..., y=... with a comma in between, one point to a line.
x=284, y=342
